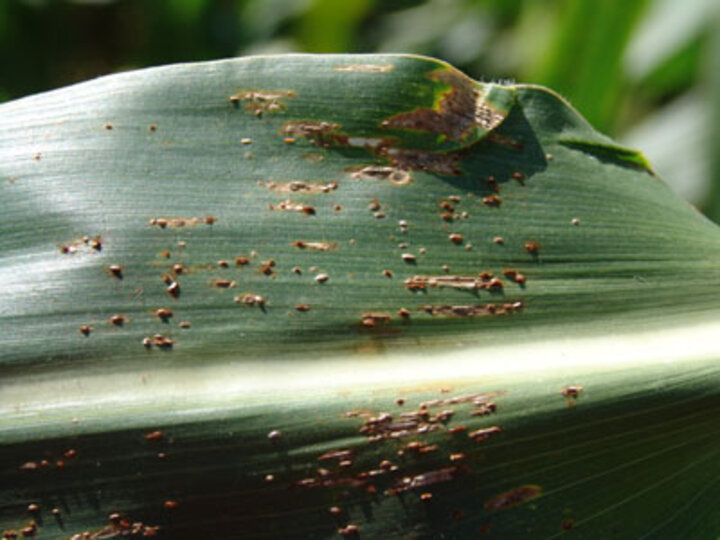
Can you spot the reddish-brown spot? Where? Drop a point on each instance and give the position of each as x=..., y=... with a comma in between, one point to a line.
x=393, y=175
x=349, y=530
x=387, y=273
x=170, y=505
x=518, y=176
x=372, y=319
x=164, y=314
x=291, y=206
x=297, y=186
x=116, y=271
x=85, y=330
x=173, y=289
x=118, y=320
x=223, y=264
x=241, y=261
x=224, y=283
x=492, y=200
x=258, y=102
x=481, y=435
x=573, y=391
x=315, y=246
x=498, y=240
x=532, y=247
x=152, y=127
x=302, y=307
x=404, y=313
x=154, y=436
x=108, y=126
x=456, y=238
x=250, y=299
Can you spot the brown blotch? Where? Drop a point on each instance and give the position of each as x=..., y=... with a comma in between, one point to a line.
x=456, y=115
x=513, y=497
x=447, y=164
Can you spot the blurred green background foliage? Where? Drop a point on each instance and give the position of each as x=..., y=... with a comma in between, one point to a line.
x=646, y=72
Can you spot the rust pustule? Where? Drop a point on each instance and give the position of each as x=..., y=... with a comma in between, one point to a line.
x=164, y=314
x=463, y=311
x=292, y=206
x=572, y=391
x=180, y=222
x=532, y=247
x=118, y=320
x=481, y=435
x=260, y=101
x=224, y=283
x=372, y=319
x=393, y=175
x=492, y=200
x=513, y=497
x=455, y=282
x=364, y=68
x=310, y=129
x=447, y=164
x=297, y=186
x=154, y=436
x=315, y=246
x=250, y=299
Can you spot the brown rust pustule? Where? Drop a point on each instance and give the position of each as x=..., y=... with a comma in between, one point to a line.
x=315, y=246
x=261, y=101
x=466, y=311
x=393, y=175
x=292, y=206
x=297, y=186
